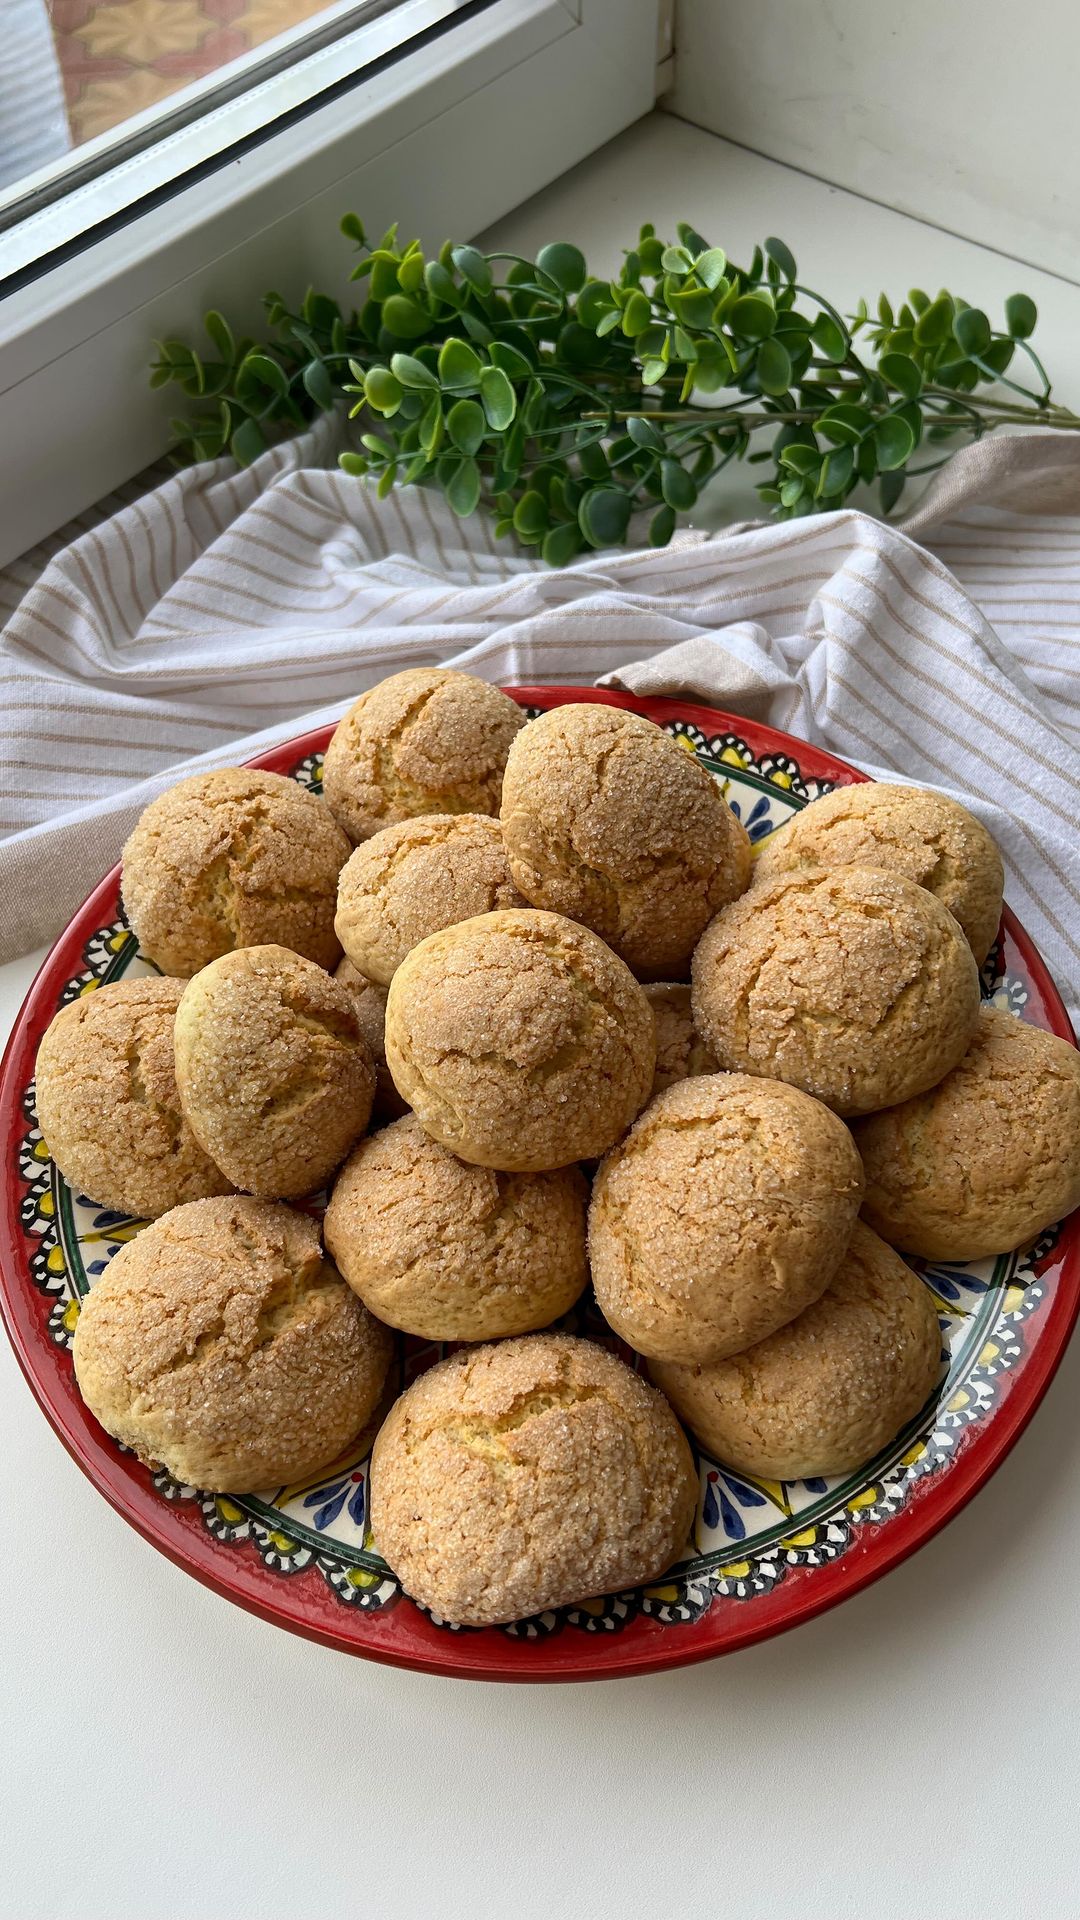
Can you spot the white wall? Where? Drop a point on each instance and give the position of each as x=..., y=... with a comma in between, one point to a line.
x=964, y=112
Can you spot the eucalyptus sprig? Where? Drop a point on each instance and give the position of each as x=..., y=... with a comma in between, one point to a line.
x=565, y=404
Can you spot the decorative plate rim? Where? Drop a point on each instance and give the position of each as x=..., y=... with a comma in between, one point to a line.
x=404, y=1636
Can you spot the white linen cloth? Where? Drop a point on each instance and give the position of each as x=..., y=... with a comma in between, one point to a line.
x=224, y=610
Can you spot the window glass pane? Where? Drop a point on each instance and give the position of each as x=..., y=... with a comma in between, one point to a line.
x=89, y=86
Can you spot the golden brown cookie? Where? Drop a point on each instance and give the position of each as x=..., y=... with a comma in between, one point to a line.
x=680, y=1050
x=726, y=1210
x=428, y=740
x=449, y=1251
x=528, y=1475
x=238, y=858
x=274, y=1077
x=221, y=1345
x=414, y=878
x=369, y=1001
x=828, y=1391
x=608, y=820
x=986, y=1159
x=856, y=985
x=925, y=836
x=520, y=1041
x=107, y=1102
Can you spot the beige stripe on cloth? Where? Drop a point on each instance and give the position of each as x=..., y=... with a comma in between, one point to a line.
x=219, y=612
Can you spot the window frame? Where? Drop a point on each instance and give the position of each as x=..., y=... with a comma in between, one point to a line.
x=446, y=138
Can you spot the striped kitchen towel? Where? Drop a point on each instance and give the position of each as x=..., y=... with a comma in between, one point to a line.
x=220, y=611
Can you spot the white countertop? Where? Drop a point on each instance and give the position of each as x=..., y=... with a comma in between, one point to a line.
x=167, y=1756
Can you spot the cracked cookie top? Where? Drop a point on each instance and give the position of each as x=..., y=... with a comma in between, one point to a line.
x=725, y=1211
x=825, y=1393
x=527, y=1475
x=449, y=1251
x=520, y=1040
x=275, y=1078
x=907, y=830
x=608, y=820
x=986, y=1159
x=428, y=740
x=856, y=985
x=222, y=1345
x=412, y=879
x=108, y=1106
x=237, y=858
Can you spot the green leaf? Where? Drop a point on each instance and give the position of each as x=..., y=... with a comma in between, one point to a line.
x=500, y=403
x=801, y=459
x=693, y=306
x=971, y=330
x=652, y=372
x=352, y=227
x=678, y=488
x=791, y=492
x=643, y=433
x=890, y=486
x=466, y=425
x=593, y=302
x=829, y=338
x=382, y=390
x=531, y=517
x=608, y=322
x=902, y=372
x=935, y=321
x=561, y=544
x=353, y=464
x=677, y=260
x=773, y=367
x=1021, y=313
x=836, y=470
x=637, y=313
x=783, y=256
x=318, y=384
x=459, y=366
x=999, y=355
x=248, y=442
x=413, y=373
x=386, y=480
x=220, y=332
x=661, y=527
x=260, y=367
x=441, y=284
x=920, y=301
x=592, y=459
x=511, y=360
x=432, y=426
x=690, y=238
x=752, y=318
x=411, y=272
x=894, y=442
x=463, y=492
x=710, y=267
x=564, y=264
x=472, y=267
x=844, y=424
x=604, y=515
x=405, y=317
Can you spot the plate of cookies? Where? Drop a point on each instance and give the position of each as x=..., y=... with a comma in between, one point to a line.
x=540, y=1183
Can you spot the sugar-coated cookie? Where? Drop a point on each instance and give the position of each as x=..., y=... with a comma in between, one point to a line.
x=608, y=820
x=724, y=1213
x=520, y=1041
x=238, y=858
x=828, y=1391
x=986, y=1159
x=527, y=1475
x=909, y=830
x=412, y=879
x=107, y=1102
x=428, y=740
x=221, y=1345
x=449, y=1251
x=274, y=1076
x=856, y=985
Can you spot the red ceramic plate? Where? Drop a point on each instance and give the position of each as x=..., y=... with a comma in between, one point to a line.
x=764, y=1555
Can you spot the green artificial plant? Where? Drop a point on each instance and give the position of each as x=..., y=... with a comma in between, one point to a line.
x=566, y=404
